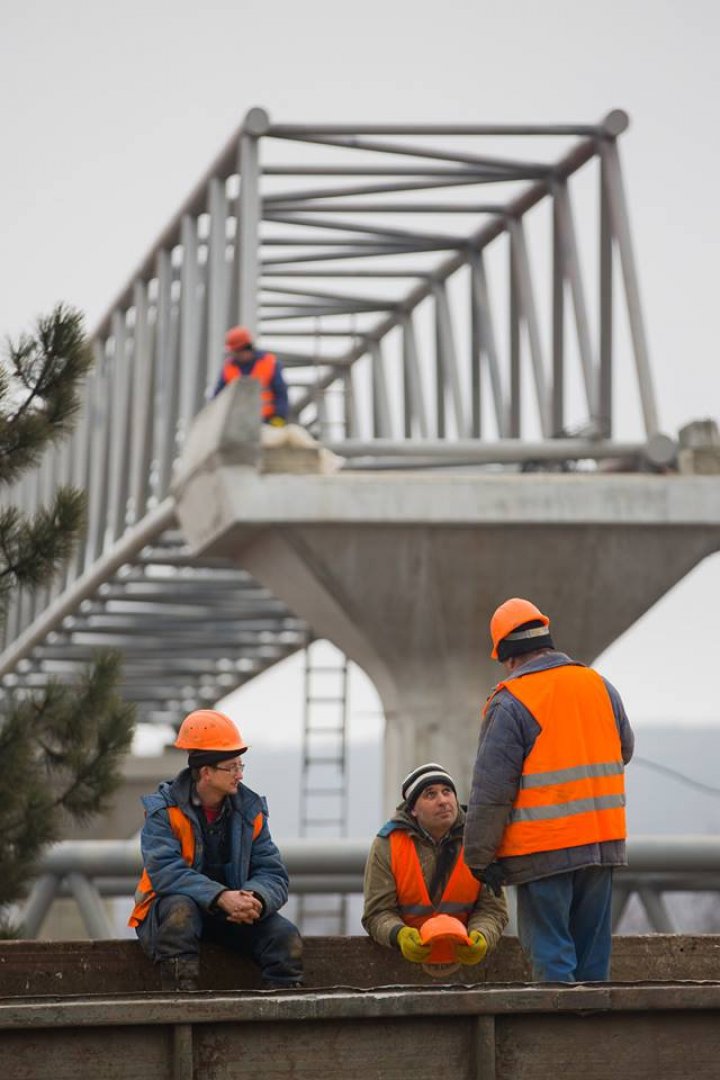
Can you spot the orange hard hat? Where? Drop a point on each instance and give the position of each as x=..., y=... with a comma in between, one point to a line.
x=443, y=932
x=509, y=616
x=238, y=337
x=206, y=729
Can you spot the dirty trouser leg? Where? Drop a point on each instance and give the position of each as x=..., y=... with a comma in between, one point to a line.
x=274, y=943
x=543, y=909
x=172, y=928
x=590, y=922
x=170, y=935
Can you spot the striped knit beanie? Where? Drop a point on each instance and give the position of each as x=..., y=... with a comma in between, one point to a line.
x=423, y=776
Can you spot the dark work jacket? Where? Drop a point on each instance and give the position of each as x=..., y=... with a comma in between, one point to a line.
x=253, y=862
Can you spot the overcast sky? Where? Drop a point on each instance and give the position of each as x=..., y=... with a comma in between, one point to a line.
x=111, y=113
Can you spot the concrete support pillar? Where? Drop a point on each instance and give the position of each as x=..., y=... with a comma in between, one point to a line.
x=411, y=603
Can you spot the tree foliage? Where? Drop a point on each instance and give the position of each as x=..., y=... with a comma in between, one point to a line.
x=60, y=748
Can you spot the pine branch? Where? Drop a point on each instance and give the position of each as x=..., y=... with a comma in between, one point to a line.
x=91, y=760
x=68, y=743
x=42, y=379
x=61, y=750
x=33, y=548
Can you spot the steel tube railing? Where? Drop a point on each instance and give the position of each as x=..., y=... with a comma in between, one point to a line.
x=685, y=855
x=88, y=870
x=504, y=451
x=656, y=857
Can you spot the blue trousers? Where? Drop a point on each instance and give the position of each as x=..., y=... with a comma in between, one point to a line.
x=564, y=925
x=175, y=926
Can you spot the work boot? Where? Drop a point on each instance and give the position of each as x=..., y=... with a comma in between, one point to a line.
x=269, y=984
x=180, y=973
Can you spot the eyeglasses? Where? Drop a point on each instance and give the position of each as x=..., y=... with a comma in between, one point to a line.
x=236, y=768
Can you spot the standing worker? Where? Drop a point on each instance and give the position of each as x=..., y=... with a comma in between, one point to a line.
x=212, y=870
x=242, y=361
x=415, y=870
x=547, y=807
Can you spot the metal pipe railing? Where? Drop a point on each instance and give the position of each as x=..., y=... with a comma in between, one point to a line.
x=89, y=869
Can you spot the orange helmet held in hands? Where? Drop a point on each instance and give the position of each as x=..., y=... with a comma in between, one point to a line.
x=509, y=616
x=444, y=928
x=443, y=932
x=238, y=337
x=206, y=729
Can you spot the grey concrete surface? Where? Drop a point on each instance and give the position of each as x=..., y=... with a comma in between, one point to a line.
x=402, y=571
x=52, y=968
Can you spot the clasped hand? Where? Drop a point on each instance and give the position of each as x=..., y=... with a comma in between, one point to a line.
x=239, y=905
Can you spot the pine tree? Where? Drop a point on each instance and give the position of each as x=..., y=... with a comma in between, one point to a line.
x=60, y=749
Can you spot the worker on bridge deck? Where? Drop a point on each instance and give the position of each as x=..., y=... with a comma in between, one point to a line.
x=415, y=870
x=212, y=870
x=547, y=805
x=242, y=361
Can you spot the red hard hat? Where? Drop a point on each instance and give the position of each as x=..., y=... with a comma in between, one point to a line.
x=443, y=932
x=509, y=616
x=238, y=337
x=206, y=729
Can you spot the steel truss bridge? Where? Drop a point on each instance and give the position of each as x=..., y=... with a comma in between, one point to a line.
x=433, y=301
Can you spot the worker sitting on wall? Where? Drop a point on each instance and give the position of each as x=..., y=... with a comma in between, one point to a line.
x=242, y=361
x=416, y=870
x=212, y=870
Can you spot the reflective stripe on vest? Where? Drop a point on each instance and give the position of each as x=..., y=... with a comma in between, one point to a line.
x=458, y=898
x=263, y=371
x=183, y=830
x=572, y=788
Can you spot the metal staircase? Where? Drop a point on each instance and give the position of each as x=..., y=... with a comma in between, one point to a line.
x=190, y=630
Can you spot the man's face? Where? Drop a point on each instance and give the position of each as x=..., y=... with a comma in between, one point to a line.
x=244, y=354
x=225, y=777
x=436, y=809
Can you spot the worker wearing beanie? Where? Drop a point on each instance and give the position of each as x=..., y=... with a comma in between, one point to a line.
x=547, y=806
x=212, y=870
x=243, y=361
x=415, y=870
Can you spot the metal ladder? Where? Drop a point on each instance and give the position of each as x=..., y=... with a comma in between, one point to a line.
x=323, y=778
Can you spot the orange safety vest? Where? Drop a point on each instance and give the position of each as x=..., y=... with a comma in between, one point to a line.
x=182, y=827
x=572, y=787
x=263, y=371
x=459, y=896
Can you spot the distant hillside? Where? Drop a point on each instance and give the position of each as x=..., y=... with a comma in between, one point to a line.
x=660, y=802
